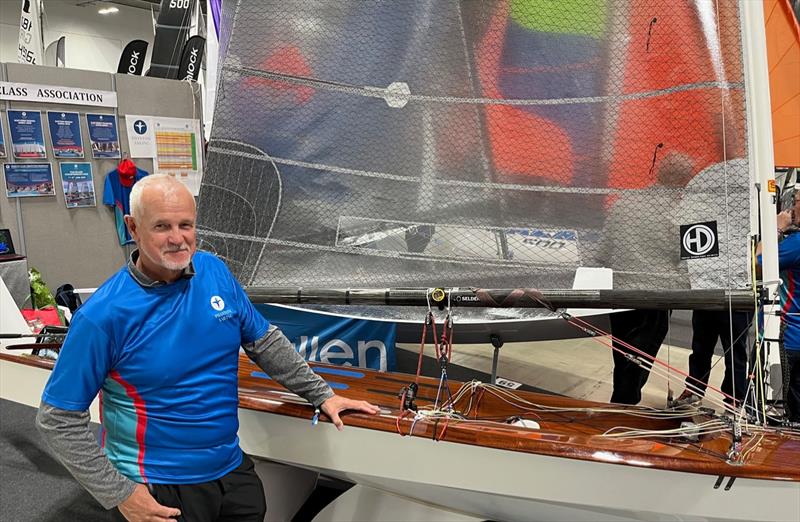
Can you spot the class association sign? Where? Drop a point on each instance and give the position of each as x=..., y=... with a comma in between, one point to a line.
x=31, y=92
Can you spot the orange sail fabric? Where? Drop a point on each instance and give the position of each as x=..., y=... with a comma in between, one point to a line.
x=783, y=56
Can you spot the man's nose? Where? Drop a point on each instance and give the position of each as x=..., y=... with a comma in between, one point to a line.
x=175, y=237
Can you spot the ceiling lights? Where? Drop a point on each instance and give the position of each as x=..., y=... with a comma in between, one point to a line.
x=108, y=10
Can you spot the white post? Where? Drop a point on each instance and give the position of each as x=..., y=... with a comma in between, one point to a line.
x=762, y=164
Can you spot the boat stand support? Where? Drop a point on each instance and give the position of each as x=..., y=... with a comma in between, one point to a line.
x=497, y=342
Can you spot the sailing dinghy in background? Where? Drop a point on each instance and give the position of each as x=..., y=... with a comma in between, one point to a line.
x=367, y=147
x=387, y=150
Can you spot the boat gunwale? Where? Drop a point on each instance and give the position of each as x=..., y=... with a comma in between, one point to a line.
x=267, y=396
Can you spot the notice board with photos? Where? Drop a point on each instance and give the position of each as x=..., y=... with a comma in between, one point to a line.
x=69, y=217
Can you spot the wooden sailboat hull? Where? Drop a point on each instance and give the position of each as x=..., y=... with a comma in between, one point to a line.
x=561, y=471
x=504, y=485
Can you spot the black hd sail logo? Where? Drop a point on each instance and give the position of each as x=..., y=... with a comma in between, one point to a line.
x=699, y=240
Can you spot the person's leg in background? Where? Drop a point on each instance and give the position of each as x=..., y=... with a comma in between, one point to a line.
x=793, y=392
x=735, y=350
x=644, y=330
x=705, y=332
x=655, y=326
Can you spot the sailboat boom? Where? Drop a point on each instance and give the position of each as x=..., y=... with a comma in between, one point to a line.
x=510, y=298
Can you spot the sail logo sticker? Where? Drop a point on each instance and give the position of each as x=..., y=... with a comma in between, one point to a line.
x=699, y=240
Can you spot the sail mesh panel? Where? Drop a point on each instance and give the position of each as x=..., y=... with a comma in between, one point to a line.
x=487, y=144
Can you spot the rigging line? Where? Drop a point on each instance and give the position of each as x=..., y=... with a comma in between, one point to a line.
x=727, y=204
x=752, y=369
x=448, y=182
x=758, y=369
x=729, y=349
x=367, y=252
x=590, y=411
x=650, y=363
x=453, y=183
x=381, y=92
x=637, y=411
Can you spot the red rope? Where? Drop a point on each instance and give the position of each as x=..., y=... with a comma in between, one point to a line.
x=429, y=317
x=579, y=323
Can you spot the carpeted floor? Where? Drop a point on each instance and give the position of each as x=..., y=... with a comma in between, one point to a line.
x=34, y=487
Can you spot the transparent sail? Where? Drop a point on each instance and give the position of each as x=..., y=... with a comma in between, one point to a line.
x=486, y=144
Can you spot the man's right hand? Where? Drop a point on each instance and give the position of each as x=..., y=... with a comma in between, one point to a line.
x=785, y=220
x=142, y=507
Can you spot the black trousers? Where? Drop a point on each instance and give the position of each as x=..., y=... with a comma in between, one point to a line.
x=707, y=327
x=642, y=329
x=237, y=496
x=793, y=392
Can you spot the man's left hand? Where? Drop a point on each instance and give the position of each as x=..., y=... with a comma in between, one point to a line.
x=337, y=403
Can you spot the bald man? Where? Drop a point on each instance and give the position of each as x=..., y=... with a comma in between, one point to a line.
x=161, y=340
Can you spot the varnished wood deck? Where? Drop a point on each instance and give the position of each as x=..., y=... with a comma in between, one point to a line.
x=770, y=454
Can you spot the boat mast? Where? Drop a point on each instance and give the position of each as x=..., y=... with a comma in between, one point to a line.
x=762, y=169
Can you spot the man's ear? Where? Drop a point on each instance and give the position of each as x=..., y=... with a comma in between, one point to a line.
x=131, y=224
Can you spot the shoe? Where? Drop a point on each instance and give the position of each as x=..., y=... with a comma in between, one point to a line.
x=687, y=398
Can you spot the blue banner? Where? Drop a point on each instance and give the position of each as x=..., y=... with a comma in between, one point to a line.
x=334, y=339
x=103, y=135
x=27, y=138
x=65, y=134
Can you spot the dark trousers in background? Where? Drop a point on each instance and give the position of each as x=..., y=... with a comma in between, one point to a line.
x=793, y=386
x=235, y=497
x=644, y=330
x=707, y=327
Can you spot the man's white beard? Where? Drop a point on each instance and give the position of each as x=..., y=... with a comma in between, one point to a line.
x=171, y=265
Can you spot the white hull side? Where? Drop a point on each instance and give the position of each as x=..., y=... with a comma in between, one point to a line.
x=24, y=384
x=506, y=485
x=483, y=482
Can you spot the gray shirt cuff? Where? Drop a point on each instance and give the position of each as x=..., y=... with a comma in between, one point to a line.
x=68, y=435
x=274, y=354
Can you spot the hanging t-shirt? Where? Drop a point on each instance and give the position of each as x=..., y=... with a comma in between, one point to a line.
x=117, y=193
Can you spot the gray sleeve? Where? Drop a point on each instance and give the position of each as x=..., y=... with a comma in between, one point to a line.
x=274, y=354
x=67, y=433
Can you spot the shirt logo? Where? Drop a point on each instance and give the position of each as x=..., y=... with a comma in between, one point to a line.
x=217, y=303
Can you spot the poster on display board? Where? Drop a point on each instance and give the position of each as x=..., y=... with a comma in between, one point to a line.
x=78, y=184
x=103, y=135
x=65, y=134
x=174, y=144
x=28, y=180
x=27, y=138
x=2, y=141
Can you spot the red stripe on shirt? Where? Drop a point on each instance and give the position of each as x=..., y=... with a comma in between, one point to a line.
x=141, y=417
x=102, y=420
x=790, y=293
